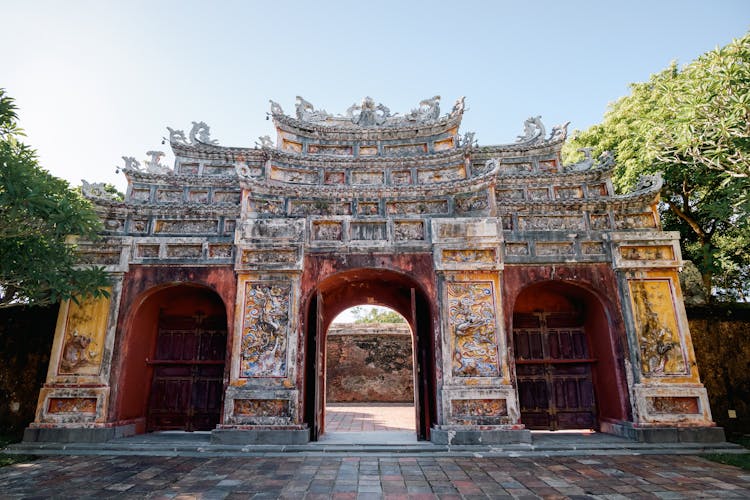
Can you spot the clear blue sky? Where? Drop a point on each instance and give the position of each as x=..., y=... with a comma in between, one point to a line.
x=96, y=80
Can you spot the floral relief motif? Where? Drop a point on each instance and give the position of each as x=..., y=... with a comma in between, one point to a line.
x=261, y=407
x=265, y=328
x=473, y=325
x=72, y=405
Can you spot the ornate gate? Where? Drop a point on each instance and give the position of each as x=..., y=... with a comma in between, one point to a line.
x=553, y=369
x=186, y=388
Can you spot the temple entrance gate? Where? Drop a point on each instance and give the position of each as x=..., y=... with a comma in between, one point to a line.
x=402, y=210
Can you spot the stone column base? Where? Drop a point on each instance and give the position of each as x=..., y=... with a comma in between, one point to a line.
x=455, y=436
x=664, y=434
x=77, y=434
x=260, y=436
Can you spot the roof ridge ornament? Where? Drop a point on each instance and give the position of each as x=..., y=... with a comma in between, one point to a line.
x=427, y=112
x=201, y=134
x=97, y=190
x=369, y=113
x=306, y=111
x=533, y=130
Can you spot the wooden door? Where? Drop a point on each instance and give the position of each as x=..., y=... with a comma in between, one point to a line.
x=320, y=373
x=553, y=371
x=187, y=383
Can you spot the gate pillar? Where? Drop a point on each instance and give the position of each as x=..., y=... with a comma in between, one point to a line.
x=669, y=401
x=261, y=403
x=477, y=401
x=73, y=403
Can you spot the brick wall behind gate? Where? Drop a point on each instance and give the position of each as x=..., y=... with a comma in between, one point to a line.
x=721, y=338
x=369, y=362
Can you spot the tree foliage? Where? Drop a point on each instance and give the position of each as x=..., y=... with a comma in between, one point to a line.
x=692, y=124
x=38, y=215
x=376, y=315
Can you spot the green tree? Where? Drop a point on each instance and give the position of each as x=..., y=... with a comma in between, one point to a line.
x=38, y=215
x=692, y=124
x=376, y=315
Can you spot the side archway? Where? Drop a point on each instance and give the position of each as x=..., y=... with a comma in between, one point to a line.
x=171, y=359
x=566, y=351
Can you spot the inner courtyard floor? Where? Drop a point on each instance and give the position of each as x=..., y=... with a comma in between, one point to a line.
x=393, y=476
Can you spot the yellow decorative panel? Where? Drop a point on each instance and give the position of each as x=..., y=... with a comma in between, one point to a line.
x=657, y=252
x=657, y=327
x=85, y=330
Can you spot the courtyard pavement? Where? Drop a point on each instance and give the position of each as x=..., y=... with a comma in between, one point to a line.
x=345, y=464
x=365, y=477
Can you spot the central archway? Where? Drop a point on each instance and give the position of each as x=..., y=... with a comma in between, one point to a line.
x=383, y=287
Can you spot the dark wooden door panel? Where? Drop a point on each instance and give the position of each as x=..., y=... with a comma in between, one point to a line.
x=553, y=371
x=187, y=386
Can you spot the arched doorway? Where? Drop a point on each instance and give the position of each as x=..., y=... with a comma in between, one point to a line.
x=369, y=376
x=173, y=374
x=565, y=357
x=386, y=288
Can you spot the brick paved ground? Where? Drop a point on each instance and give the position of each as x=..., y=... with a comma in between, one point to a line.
x=342, y=417
x=298, y=477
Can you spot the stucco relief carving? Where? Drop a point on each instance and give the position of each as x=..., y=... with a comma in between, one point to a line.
x=264, y=330
x=471, y=316
x=472, y=203
x=480, y=255
x=85, y=325
x=656, y=324
x=261, y=407
x=408, y=230
x=479, y=411
x=80, y=350
x=307, y=112
x=368, y=113
x=201, y=134
x=533, y=129
x=330, y=231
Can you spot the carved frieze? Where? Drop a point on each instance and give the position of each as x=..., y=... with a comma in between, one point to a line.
x=268, y=256
x=473, y=203
x=516, y=249
x=266, y=206
x=320, y=207
x=476, y=255
x=401, y=177
x=426, y=176
x=368, y=208
x=368, y=177
x=417, y=207
x=265, y=327
x=647, y=252
x=405, y=149
x=261, y=407
x=186, y=226
x=550, y=223
x=479, y=411
x=408, y=230
x=643, y=220
x=656, y=324
x=294, y=176
x=72, y=405
x=473, y=329
x=673, y=405
x=555, y=249
x=184, y=251
x=327, y=231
